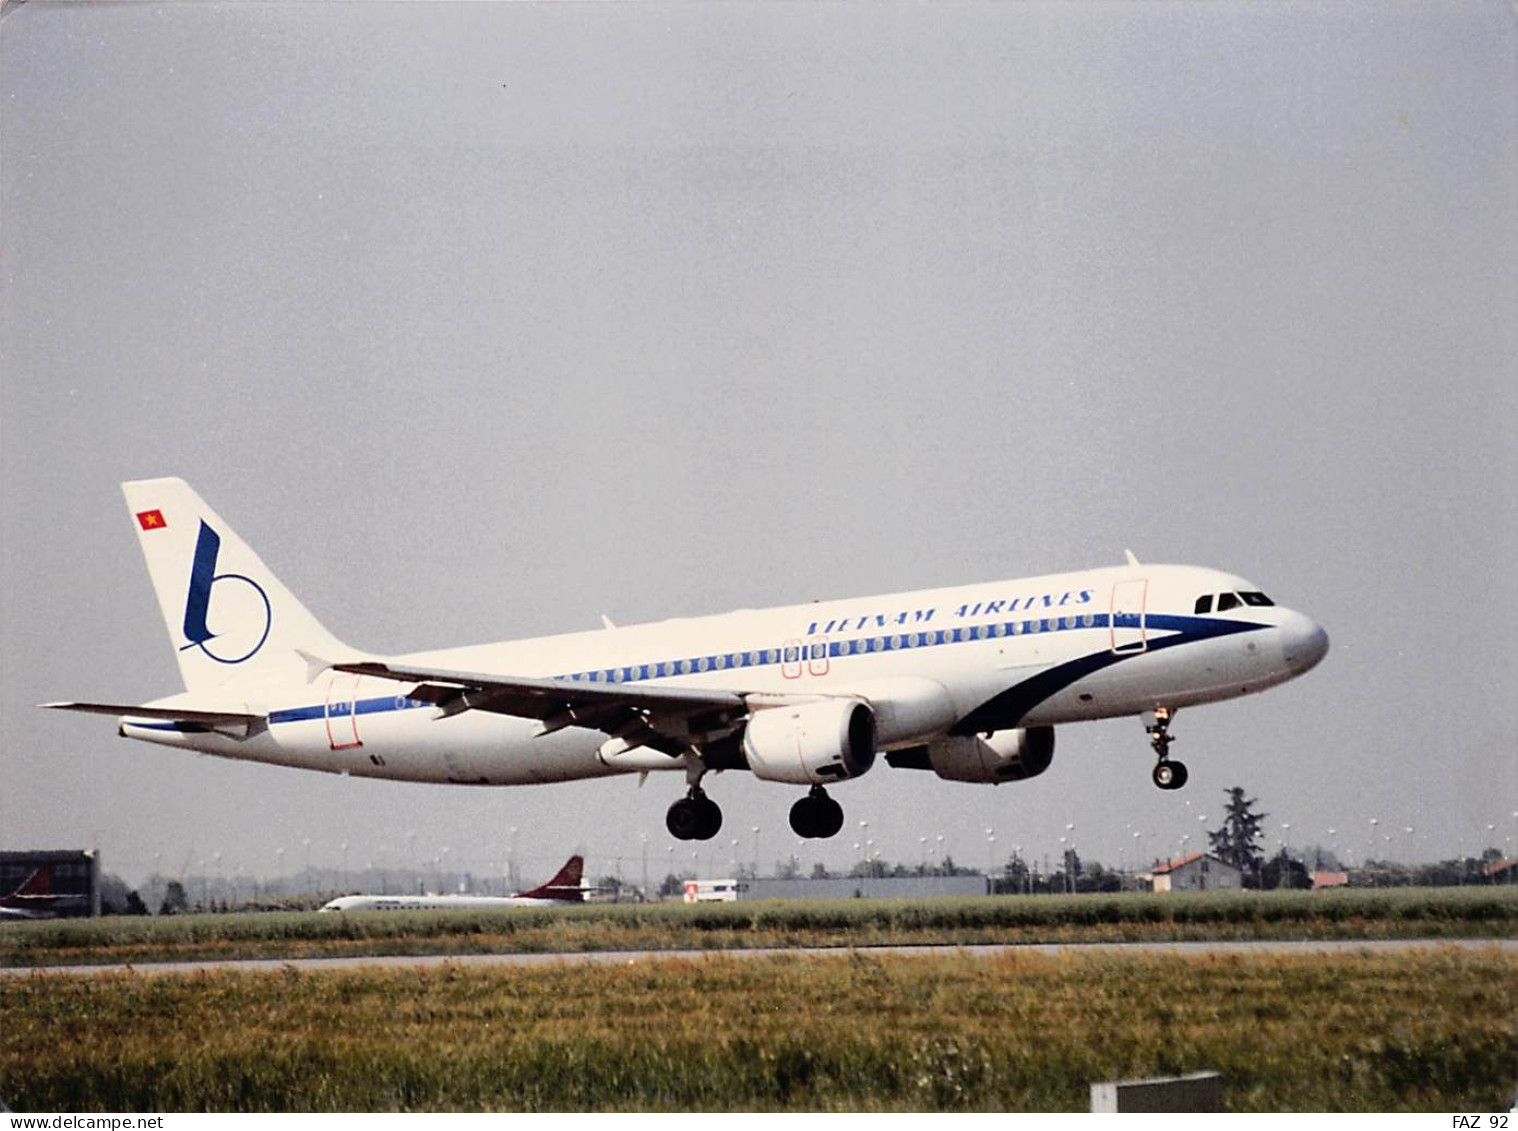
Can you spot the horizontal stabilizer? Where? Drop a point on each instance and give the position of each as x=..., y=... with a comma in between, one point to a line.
x=214, y=719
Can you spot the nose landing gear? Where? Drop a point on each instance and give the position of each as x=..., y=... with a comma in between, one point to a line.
x=816, y=816
x=1168, y=773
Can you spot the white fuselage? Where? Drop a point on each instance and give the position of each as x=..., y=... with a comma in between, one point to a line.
x=1030, y=652
x=439, y=902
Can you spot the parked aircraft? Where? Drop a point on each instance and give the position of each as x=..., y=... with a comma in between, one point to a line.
x=34, y=898
x=967, y=683
x=565, y=888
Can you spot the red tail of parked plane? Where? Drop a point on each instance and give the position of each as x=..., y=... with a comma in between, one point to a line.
x=34, y=899
x=565, y=885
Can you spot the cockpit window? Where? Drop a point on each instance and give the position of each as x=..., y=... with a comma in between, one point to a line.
x=1257, y=599
x=1204, y=604
x=1227, y=601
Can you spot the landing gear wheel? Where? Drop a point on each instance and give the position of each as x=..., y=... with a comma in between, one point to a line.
x=711, y=819
x=832, y=818
x=696, y=817
x=816, y=816
x=1170, y=774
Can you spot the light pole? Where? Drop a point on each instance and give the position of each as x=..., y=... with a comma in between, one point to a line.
x=1369, y=875
x=1070, y=861
x=511, y=858
x=755, y=831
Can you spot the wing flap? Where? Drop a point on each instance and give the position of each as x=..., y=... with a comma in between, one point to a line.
x=668, y=719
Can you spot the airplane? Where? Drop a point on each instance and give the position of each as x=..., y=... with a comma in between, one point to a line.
x=566, y=887
x=34, y=897
x=967, y=683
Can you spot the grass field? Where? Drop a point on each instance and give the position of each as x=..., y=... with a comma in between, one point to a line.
x=1430, y=1030
x=1398, y=913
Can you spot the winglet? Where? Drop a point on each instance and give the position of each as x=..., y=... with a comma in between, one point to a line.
x=606, y=620
x=1133, y=561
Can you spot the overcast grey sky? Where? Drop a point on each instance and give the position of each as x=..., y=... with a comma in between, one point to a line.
x=478, y=321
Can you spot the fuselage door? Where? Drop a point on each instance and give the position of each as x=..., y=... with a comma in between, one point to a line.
x=1129, y=632
x=342, y=711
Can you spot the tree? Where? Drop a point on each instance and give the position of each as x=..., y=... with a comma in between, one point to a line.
x=1284, y=872
x=1015, y=876
x=175, y=901
x=1235, y=842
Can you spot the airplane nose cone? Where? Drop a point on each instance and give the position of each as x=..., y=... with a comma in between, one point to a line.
x=1304, y=643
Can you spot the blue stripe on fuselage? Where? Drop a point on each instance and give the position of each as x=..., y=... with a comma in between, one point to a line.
x=1026, y=695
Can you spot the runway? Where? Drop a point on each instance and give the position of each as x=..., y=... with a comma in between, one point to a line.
x=630, y=957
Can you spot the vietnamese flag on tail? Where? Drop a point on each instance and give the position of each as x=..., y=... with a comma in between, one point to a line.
x=151, y=520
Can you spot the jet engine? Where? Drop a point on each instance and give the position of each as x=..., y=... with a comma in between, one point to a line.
x=1007, y=755
x=811, y=743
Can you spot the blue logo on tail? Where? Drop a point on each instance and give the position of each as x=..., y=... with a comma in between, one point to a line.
x=203, y=579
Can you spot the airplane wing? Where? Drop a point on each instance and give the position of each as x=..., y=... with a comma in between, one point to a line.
x=668, y=719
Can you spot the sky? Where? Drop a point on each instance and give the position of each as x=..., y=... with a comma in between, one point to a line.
x=480, y=321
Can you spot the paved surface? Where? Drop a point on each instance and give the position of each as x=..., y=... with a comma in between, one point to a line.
x=626, y=957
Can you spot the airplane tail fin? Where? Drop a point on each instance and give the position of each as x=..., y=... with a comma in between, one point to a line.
x=566, y=885
x=229, y=618
x=40, y=882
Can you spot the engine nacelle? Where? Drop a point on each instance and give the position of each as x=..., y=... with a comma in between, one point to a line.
x=811, y=743
x=1008, y=755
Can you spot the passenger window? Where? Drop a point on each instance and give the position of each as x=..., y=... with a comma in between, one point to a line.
x=1204, y=604
x=1227, y=601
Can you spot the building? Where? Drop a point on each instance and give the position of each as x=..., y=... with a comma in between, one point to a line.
x=1499, y=871
x=1329, y=880
x=1201, y=871
x=843, y=887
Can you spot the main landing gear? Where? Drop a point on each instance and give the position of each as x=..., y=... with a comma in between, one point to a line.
x=694, y=817
x=1168, y=773
x=816, y=816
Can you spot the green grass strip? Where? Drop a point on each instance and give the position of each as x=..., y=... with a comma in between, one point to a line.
x=1399, y=913
x=1427, y=1030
